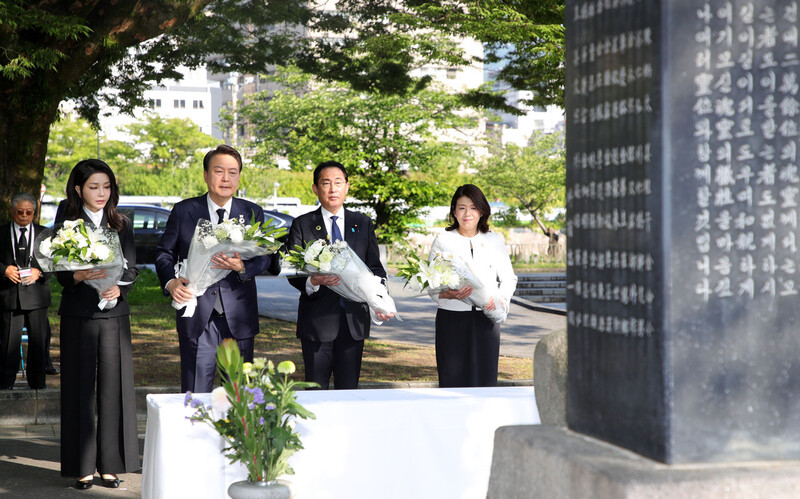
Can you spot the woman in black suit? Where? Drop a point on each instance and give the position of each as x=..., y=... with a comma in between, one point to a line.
x=96, y=344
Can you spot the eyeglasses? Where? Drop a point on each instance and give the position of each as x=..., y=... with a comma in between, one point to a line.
x=25, y=212
x=326, y=184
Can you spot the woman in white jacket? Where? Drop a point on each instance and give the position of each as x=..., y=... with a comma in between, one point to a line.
x=467, y=341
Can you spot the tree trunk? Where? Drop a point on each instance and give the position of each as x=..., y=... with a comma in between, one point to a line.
x=24, y=131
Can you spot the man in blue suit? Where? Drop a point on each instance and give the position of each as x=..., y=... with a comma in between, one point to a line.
x=229, y=308
x=331, y=329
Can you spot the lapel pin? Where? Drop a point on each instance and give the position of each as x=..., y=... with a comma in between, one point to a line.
x=318, y=228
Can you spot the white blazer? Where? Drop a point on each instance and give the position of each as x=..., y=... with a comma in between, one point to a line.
x=489, y=259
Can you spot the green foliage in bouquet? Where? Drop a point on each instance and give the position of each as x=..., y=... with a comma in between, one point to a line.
x=77, y=243
x=253, y=411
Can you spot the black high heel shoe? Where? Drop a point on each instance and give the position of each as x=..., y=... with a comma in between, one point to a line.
x=111, y=483
x=83, y=484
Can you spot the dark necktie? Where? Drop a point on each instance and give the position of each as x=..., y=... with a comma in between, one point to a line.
x=22, y=248
x=218, y=302
x=336, y=234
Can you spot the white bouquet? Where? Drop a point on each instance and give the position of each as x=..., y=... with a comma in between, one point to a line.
x=229, y=237
x=356, y=281
x=77, y=247
x=447, y=271
x=438, y=274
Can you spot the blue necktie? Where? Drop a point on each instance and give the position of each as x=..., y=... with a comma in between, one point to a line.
x=336, y=234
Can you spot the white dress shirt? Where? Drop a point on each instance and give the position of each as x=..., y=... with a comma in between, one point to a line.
x=489, y=257
x=96, y=218
x=213, y=207
x=29, y=235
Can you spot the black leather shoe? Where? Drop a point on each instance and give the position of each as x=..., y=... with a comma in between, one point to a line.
x=52, y=370
x=111, y=483
x=83, y=485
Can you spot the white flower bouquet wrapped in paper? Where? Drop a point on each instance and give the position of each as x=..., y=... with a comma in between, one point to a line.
x=229, y=237
x=356, y=281
x=445, y=271
x=77, y=247
x=428, y=277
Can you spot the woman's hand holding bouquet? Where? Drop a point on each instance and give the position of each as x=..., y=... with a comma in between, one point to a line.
x=336, y=265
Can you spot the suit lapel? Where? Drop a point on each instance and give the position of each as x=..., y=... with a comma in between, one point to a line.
x=351, y=228
x=318, y=225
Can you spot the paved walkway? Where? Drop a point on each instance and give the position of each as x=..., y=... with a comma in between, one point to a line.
x=518, y=335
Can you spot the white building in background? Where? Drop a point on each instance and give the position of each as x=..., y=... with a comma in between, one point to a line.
x=518, y=129
x=198, y=96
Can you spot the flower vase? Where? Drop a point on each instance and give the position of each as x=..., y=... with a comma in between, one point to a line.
x=245, y=489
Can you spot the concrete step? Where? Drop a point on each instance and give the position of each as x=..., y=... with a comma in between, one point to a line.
x=541, y=284
x=562, y=293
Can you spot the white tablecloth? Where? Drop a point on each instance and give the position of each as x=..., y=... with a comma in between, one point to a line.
x=402, y=443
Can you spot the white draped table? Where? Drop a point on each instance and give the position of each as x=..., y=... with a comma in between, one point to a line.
x=387, y=443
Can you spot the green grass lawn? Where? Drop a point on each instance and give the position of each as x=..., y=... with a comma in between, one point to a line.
x=157, y=363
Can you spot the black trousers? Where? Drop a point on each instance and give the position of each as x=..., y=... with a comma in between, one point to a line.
x=467, y=349
x=97, y=385
x=10, y=340
x=199, y=355
x=340, y=357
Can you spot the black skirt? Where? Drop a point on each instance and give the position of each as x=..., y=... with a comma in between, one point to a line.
x=467, y=349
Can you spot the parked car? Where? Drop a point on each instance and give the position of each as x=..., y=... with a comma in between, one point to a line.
x=149, y=222
x=278, y=219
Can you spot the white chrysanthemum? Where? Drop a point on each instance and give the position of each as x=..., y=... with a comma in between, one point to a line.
x=236, y=234
x=100, y=251
x=209, y=241
x=46, y=247
x=219, y=402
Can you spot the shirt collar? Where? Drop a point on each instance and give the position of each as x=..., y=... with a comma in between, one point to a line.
x=327, y=214
x=213, y=207
x=96, y=218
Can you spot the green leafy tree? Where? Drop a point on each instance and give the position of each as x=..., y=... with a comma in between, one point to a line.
x=73, y=139
x=531, y=178
x=169, y=143
x=390, y=143
x=57, y=50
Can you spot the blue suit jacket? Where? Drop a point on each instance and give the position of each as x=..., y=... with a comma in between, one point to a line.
x=239, y=295
x=318, y=313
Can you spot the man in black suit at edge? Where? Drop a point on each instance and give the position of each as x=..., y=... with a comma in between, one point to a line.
x=24, y=296
x=331, y=329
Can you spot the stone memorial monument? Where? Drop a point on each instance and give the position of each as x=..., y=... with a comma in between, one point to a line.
x=683, y=124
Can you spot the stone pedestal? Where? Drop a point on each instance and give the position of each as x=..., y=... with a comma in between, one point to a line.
x=554, y=462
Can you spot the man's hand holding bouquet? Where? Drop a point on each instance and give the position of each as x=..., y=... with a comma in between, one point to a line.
x=345, y=273
x=214, y=251
x=93, y=254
